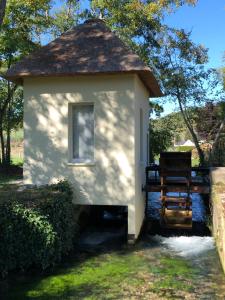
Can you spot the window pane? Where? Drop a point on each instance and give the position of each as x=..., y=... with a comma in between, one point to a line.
x=83, y=132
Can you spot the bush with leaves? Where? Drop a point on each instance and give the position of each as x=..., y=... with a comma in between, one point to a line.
x=37, y=227
x=184, y=148
x=160, y=140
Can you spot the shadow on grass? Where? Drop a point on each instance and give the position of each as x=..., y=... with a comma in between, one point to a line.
x=106, y=274
x=95, y=275
x=10, y=173
x=70, y=292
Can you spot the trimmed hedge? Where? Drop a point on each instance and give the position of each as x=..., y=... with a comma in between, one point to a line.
x=37, y=227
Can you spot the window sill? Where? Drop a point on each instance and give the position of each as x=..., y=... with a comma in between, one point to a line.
x=81, y=164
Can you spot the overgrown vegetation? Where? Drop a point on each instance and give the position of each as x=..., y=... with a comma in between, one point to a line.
x=37, y=226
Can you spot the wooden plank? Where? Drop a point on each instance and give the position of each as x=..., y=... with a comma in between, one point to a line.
x=175, y=175
x=194, y=169
x=177, y=216
x=201, y=189
x=178, y=226
x=175, y=199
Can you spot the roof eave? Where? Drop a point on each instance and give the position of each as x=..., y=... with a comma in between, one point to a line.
x=147, y=78
x=151, y=84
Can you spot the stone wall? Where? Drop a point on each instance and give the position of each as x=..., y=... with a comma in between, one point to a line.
x=217, y=176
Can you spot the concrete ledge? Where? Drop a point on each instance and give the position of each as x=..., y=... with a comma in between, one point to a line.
x=217, y=178
x=217, y=175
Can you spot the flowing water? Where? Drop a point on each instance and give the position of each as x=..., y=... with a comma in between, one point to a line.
x=198, y=207
x=191, y=260
x=198, y=251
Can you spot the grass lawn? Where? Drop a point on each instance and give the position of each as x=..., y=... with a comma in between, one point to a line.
x=195, y=162
x=6, y=178
x=12, y=173
x=117, y=275
x=17, y=161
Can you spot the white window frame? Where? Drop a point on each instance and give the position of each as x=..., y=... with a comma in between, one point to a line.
x=71, y=160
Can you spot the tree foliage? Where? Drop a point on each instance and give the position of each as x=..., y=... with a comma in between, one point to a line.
x=65, y=17
x=175, y=59
x=210, y=123
x=185, y=78
x=177, y=62
x=2, y=10
x=208, y=119
x=161, y=140
x=21, y=30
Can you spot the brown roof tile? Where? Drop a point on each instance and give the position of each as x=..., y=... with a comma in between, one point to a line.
x=90, y=48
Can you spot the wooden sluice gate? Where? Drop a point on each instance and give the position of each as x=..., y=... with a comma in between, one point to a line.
x=174, y=175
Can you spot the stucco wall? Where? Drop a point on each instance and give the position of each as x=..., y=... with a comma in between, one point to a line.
x=141, y=102
x=117, y=176
x=111, y=179
x=217, y=176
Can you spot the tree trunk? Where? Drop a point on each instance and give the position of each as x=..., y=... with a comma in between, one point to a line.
x=2, y=143
x=8, y=147
x=8, y=139
x=2, y=10
x=219, y=132
x=213, y=151
x=8, y=126
x=191, y=130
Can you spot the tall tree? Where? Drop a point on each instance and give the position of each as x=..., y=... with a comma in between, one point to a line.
x=177, y=61
x=185, y=78
x=2, y=10
x=23, y=23
x=65, y=17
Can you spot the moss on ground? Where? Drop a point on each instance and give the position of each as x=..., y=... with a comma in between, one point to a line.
x=175, y=274
x=119, y=275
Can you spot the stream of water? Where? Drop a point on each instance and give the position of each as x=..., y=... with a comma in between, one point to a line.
x=198, y=208
x=180, y=264
x=199, y=251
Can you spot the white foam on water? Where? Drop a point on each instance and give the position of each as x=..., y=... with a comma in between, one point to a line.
x=187, y=246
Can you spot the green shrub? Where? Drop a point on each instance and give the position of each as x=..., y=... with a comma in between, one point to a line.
x=37, y=227
x=184, y=148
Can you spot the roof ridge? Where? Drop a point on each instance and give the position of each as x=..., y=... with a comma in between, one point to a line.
x=88, y=48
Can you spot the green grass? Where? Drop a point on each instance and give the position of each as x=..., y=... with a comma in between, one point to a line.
x=5, y=179
x=177, y=274
x=17, y=161
x=101, y=275
x=118, y=275
x=195, y=162
x=11, y=176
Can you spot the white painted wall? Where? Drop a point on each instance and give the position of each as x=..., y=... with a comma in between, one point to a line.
x=141, y=102
x=114, y=177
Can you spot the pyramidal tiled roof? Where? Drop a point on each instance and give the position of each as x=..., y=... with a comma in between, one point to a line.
x=89, y=48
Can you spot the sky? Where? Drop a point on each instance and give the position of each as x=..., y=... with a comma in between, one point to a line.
x=206, y=21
